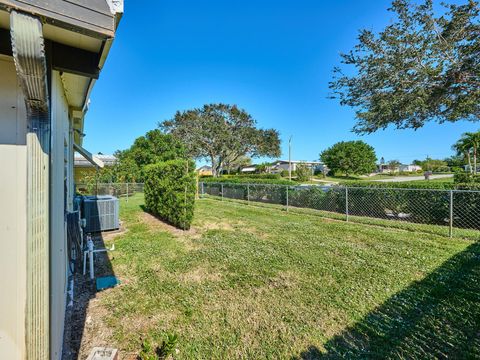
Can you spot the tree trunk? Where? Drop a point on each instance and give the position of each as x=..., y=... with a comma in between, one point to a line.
x=470, y=169
x=214, y=166
x=475, y=160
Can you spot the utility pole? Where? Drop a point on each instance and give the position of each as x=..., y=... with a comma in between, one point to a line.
x=290, y=158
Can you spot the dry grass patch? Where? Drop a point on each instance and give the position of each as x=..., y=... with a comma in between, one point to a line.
x=199, y=275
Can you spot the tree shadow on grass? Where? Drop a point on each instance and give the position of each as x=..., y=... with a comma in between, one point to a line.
x=435, y=318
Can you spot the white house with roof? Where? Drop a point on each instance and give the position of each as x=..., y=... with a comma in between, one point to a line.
x=281, y=165
x=51, y=54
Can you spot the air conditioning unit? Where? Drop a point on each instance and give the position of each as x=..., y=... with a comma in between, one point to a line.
x=101, y=213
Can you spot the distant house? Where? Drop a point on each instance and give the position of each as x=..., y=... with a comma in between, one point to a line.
x=385, y=169
x=382, y=168
x=281, y=165
x=409, y=168
x=205, y=170
x=83, y=165
x=249, y=169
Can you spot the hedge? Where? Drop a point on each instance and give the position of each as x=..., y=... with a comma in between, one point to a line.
x=422, y=184
x=170, y=191
x=246, y=180
x=254, y=176
x=466, y=178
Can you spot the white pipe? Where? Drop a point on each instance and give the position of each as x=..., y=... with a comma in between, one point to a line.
x=90, y=252
x=70, y=293
x=90, y=256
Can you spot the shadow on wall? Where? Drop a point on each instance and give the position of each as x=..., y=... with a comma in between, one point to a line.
x=84, y=292
x=435, y=318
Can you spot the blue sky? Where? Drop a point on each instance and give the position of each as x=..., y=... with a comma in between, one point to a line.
x=274, y=58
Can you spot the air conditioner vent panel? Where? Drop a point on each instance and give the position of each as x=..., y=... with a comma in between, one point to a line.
x=101, y=213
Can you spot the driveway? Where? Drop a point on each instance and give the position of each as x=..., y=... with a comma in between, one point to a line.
x=414, y=178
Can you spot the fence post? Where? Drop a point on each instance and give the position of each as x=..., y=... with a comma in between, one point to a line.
x=202, y=194
x=248, y=193
x=346, y=202
x=286, y=187
x=450, y=228
x=221, y=187
x=127, y=191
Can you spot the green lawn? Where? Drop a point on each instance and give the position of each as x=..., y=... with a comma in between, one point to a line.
x=259, y=283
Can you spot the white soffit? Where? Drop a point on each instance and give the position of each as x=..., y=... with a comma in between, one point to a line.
x=71, y=38
x=76, y=88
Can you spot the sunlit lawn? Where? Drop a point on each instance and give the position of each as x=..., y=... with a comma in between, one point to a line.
x=262, y=283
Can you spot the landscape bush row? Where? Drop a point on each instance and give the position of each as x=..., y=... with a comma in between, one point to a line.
x=245, y=180
x=422, y=184
x=170, y=189
x=387, y=201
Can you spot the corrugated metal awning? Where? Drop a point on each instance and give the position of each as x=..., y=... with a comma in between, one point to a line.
x=95, y=161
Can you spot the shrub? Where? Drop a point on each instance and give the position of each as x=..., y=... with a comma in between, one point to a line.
x=462, y=177
x=303, y=172
x=170, y=191
x=246, y=180
x=254, y=176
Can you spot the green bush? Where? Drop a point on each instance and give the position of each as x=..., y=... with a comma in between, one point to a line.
x=286, y=174
x=304, y=173
x=462, y=177
x=422, y=184
x=254, y=176
x=170, y=191
x=246, y=180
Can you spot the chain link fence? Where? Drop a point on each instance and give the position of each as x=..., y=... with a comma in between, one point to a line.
x=447, y=211
x=114, y=189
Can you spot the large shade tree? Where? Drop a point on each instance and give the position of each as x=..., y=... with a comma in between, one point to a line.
x=350, y=158
x=222, y=134
x=423, y=66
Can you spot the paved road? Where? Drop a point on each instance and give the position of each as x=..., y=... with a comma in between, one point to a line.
x=413, y=178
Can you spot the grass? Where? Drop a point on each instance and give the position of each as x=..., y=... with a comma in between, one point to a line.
x=256, y=283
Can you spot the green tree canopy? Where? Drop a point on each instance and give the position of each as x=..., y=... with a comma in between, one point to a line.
x=430, y=164
x=350, y=158
x=421, y=67
x=152, y=148
x=222, y=133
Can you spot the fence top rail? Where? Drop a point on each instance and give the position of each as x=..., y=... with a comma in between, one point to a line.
x=306, y=186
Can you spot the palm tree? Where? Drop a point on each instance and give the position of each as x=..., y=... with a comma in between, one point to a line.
x=475, y=140
x=468, y=146
x=463, y=147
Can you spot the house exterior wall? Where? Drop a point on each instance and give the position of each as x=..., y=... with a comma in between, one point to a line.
x=13, y=220
x=81, y=172
x=13, y=214
x=60, y=160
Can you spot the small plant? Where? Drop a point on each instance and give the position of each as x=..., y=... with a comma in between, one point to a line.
x=168, y=346
x=153, y=352
x=148, y=351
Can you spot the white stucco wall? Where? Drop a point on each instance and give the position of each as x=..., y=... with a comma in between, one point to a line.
x=13, y=192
